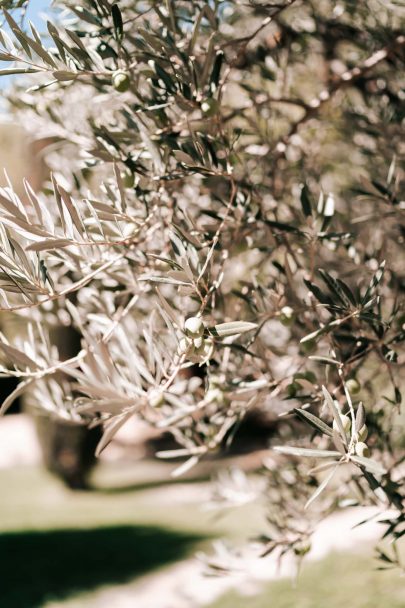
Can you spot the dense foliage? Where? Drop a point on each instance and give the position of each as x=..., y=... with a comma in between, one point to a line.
x=223, y=225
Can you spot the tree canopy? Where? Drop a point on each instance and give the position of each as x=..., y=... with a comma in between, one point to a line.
x=223, y=222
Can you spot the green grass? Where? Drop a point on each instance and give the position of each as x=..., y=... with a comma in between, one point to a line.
x=32, y=499
x=338, y=581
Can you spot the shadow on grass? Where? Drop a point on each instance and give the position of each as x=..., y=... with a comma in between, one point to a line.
x=39, y=566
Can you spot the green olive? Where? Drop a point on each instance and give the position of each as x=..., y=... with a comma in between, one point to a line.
x=346, y=423
x=353, y=386
x=198, y=342
x=209, y=106
x=194, y=327
x=184, y=345
x=292, y=389
x=215, y=395
x=401, y=321
x=206, y=350
x=156, y=398
x=362, y=449
x=128, y=179
x=302, y=547
x=215, y=381
x=287, y=316
x=310, y=376
x=121, y=81
x=308, y=347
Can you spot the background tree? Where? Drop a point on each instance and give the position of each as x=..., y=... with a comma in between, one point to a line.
x=223, y=225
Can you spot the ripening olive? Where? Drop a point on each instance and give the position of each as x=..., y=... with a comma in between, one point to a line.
x=120, y=81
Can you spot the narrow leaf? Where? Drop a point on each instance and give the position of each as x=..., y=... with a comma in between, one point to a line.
x=290, y=450
x=231, y=329
x=306, y=201
x=17, y=357
x=8, y=402
x=117, y=20
x=49, y=244
x=369, y=464
x=314, y=421
x=321, y=487
x=335, y=412
x=360, y=417
x=111, y=429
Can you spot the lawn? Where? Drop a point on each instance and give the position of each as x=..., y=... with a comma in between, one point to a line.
x=56, y=544
x=338, y=581
x=59, y=548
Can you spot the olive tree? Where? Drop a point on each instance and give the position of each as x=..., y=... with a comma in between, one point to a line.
x=223, y=225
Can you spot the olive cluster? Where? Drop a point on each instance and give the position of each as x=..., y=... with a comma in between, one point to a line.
x=194, y=344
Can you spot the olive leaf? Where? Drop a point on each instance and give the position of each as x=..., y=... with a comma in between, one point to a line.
x=232, y=328
x=308, y=452
x=314, y=421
